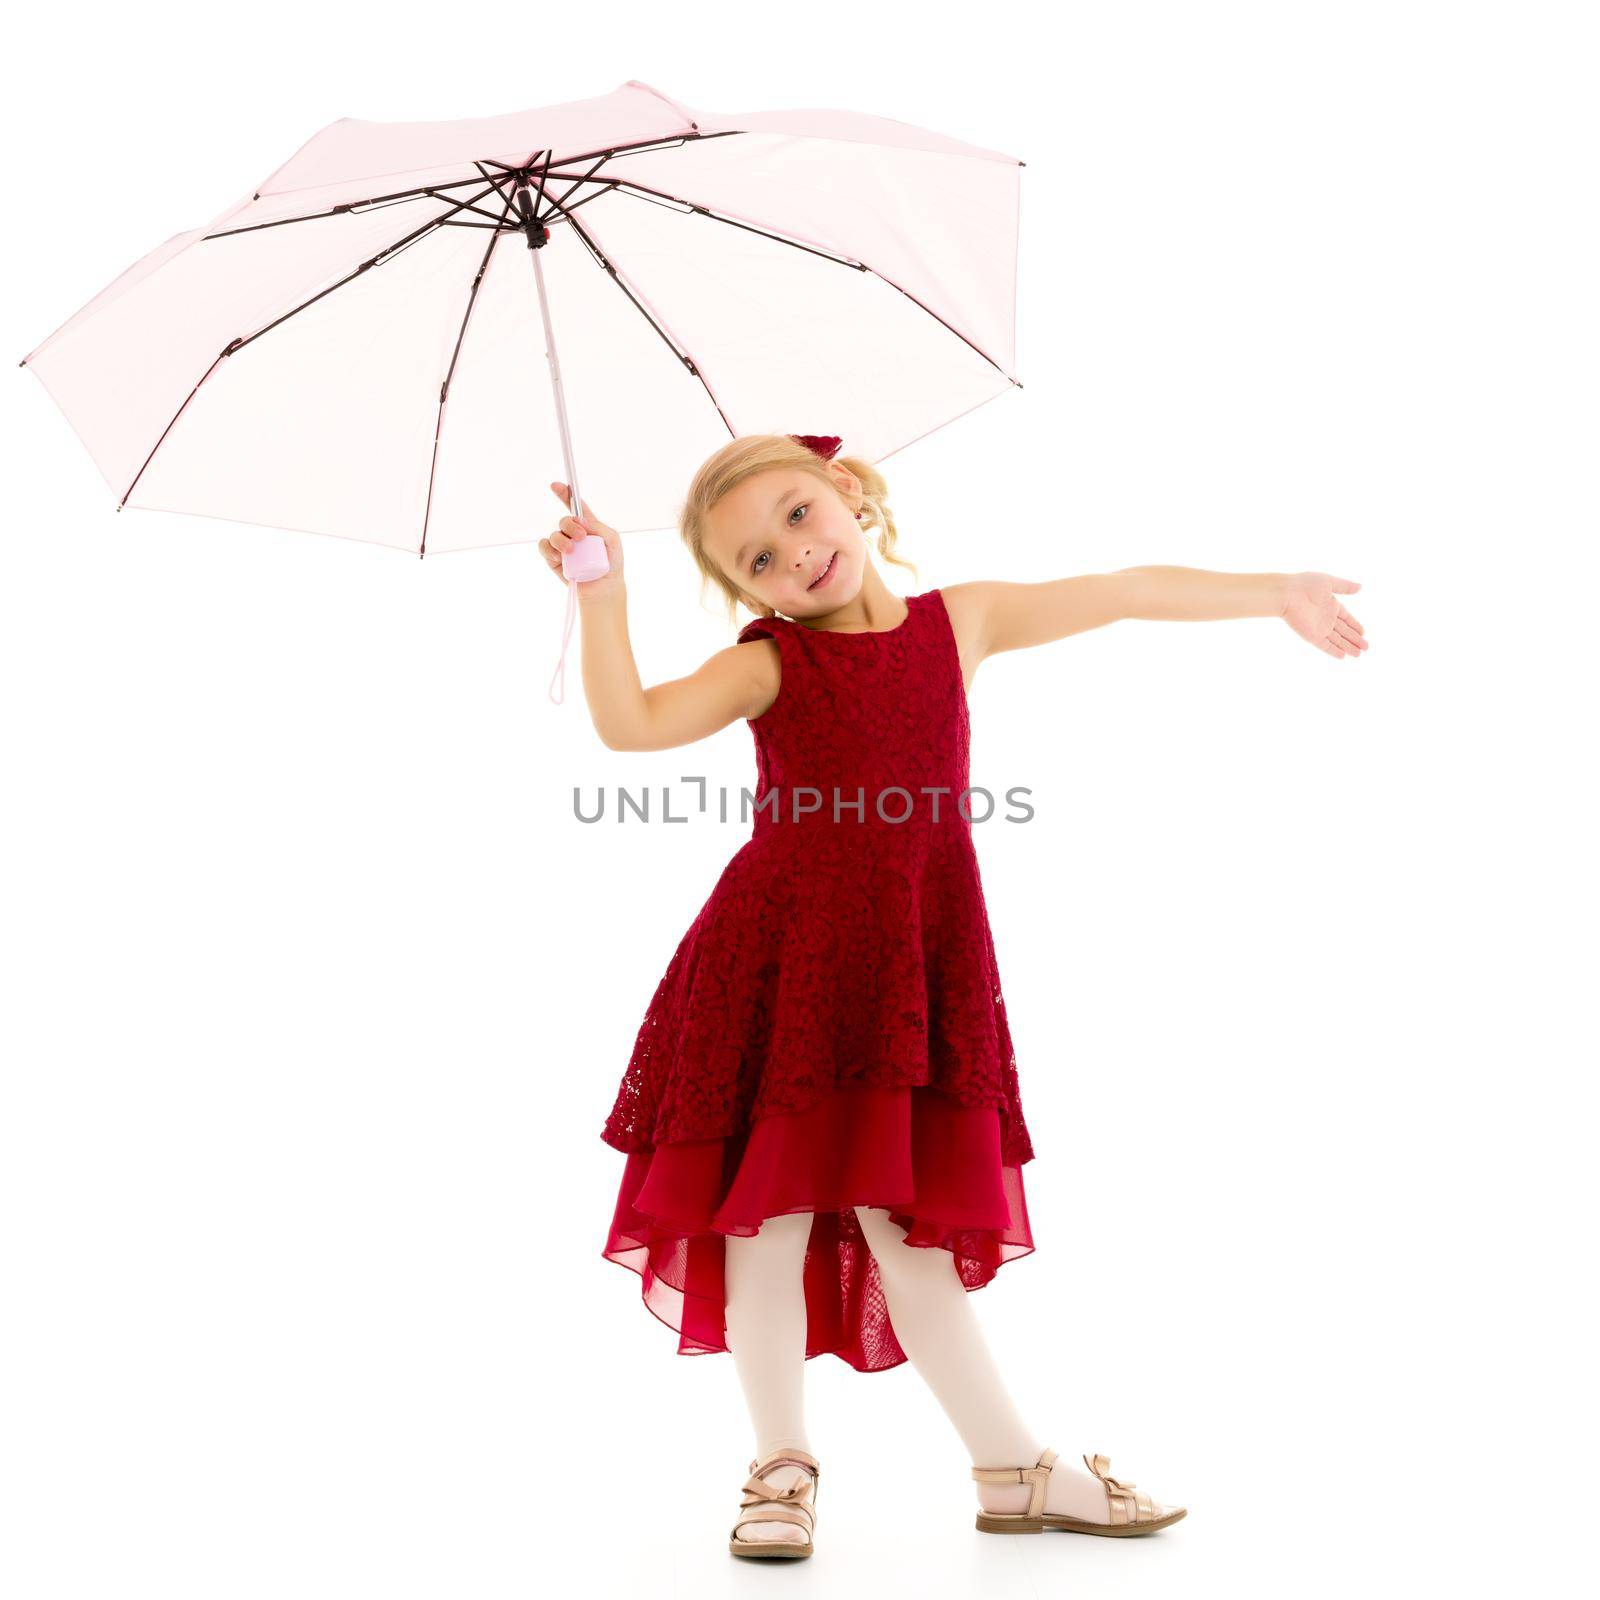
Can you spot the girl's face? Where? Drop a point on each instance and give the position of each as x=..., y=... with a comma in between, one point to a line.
x=785, y=538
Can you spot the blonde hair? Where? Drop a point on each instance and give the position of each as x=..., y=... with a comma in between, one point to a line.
x=743, y=458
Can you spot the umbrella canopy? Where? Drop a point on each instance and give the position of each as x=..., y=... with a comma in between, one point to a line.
x=356, y=347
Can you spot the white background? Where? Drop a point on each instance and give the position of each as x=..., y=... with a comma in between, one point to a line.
x=316, y=995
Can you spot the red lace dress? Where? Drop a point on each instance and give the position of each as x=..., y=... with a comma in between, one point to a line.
x=830, y=1031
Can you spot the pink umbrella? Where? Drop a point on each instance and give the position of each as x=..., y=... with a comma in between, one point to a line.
x=291, y=363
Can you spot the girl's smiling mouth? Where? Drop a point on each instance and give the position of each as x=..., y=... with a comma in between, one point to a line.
x=826, y=573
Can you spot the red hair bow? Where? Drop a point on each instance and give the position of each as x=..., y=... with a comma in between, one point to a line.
x=823, y=444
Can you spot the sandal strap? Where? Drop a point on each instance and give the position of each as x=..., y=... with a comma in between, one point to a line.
x=1036, y=1476
x=788, y=1458
x=760, y=1489
x=774, y=1514
x=765, y=1503
x=1127, y=1502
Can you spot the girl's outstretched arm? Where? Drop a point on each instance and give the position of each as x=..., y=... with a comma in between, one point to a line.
x=1014, y=616
x=739, y=681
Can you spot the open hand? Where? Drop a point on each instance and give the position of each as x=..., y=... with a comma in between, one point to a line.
x=1313, y=611
x=568, y=532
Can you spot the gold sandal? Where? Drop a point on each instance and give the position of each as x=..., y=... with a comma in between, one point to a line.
x=763, y=1503
x=1132, y=1513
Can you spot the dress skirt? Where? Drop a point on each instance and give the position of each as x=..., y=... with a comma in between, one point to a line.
x=934, y=1163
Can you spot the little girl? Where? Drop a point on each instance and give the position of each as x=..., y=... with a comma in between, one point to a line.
x=821, y=1117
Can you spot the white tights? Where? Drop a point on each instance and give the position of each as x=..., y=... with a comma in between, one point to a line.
x=933, y=1319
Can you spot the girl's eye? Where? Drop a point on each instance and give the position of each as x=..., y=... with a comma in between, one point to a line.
x=755, y=566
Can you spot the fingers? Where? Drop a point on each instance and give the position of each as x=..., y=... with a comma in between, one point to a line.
x=567, y=533
x=1344, y=586
x=1341, y=642
x=564, y=494
x=1347, y=632
x=554, y=546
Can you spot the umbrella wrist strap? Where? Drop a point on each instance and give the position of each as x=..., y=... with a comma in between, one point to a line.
x=566, y=635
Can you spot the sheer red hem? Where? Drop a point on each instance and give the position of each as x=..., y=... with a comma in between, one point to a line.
x=934, y=1163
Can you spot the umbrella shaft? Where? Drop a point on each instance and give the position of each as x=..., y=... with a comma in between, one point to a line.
x=537, y=235
x=575, y=499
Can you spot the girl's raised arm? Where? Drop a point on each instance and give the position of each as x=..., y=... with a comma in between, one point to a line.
x=1000, y=616
x=735, y=682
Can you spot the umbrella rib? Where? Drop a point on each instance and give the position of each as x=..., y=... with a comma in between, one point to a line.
x=228, y=351
x=388, y=253
x=615, y=275
x=502, y=185
x=882, y=278
x=565, y=209
x=558, y=208
x=561, y=204
x=604, y=262
x=383, y=204
x=665, y=142
x=642, y=191
x=376, y=202
x=444, y=388
x=478, y=211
